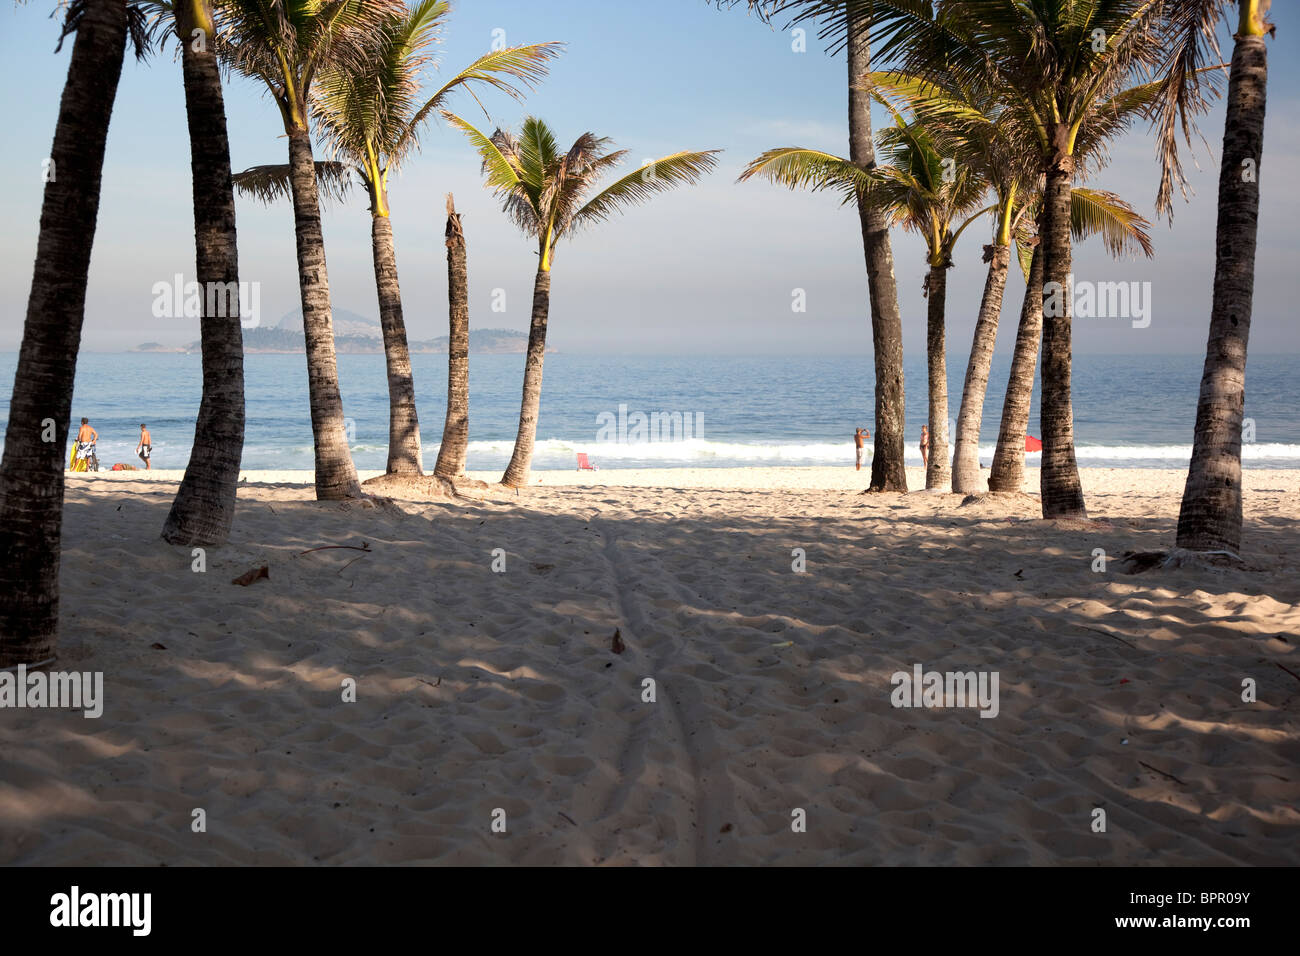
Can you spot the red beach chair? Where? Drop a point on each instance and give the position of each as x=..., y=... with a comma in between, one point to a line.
x=584, y=464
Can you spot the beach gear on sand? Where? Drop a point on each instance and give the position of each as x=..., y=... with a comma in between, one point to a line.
x=584, y=464
x=83, y=457
x=1032, y=443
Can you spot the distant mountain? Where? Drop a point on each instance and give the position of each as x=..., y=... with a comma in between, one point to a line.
x=346, y=324
x=356, y=335
x=482, y=341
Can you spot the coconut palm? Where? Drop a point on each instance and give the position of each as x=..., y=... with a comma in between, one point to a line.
x=371, y=116
x=978, y=132
x=31, y=473
x=888, y=472
x=286, y=45
x=1124, y=231
x=455, y=429
x=1007, y=472
x=1211, y=515
x=977, y=129
x=204, y=506
x=847, y=23
x=545, y=191
x=921, y=189
x=1069, y=67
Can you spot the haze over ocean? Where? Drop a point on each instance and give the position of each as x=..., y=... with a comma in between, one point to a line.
x=1129, y=410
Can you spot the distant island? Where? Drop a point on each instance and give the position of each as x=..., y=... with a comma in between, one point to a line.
x=353, y=335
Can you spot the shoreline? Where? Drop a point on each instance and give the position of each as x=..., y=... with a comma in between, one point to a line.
x=758, y=478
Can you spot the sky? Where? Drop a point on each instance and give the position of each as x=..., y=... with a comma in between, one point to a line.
x=715, y=268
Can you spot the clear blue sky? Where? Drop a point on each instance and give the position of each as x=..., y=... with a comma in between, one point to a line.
x=707, y=269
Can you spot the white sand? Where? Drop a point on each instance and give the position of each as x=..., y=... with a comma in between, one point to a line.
x=479, y=690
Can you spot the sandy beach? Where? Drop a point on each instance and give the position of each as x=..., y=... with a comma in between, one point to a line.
x=487, y=694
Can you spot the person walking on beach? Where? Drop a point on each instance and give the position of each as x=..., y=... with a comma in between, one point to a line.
x=859, y=436
x=145, y=448
x=925, y=446
x=87, y=438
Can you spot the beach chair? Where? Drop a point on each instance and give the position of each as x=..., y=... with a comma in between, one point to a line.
x=584, y=464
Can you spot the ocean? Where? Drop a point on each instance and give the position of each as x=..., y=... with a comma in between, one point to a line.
x=1129, y=411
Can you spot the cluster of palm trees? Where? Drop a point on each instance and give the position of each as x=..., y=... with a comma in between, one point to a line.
x=347, y=73
x=1000, y=108
x=1017, y=101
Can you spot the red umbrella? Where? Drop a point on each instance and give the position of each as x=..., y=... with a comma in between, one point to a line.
x=1032, y=443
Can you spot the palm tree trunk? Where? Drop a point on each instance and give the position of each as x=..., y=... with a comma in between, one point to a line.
x=937, y=473
x=1007, y=472
x=404, y=456
x=455, y=431
x=31, y=473
x=1211, y=514
x=521, y=461
x=1062, y=493
x=966, y=459
x=205, y=504
x=336, y=477
x=887, y=470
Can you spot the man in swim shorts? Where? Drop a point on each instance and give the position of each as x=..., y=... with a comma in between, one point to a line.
x=145, y=448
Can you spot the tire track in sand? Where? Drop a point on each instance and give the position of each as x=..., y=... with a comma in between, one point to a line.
x=689, y=730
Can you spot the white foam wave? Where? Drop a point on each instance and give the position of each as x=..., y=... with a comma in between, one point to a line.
x=704, y=451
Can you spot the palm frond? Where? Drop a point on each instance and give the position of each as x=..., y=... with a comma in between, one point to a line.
x=1190, y=37
x=527, y=64
x=502, y=174
x=657, y=176
x=811, y=169
x=271, y=183
x=538, y=152
x=1025, y=255
x=1096, y=212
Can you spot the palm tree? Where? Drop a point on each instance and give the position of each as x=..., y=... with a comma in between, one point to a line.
x=455, y=429
x=285, y=45
x=847, y=23
x=1211, y=515
x=1124, y=231
x=370, y=115
x=994, y=138
x=1007, y=472
x=204, y=506
x=31, y=472
x=544, y=192
x=920, y=189
x=983, y=134
x=888, y=471
x=1067, y=67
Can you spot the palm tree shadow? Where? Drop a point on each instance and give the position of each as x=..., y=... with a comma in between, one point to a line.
x=478, y=689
